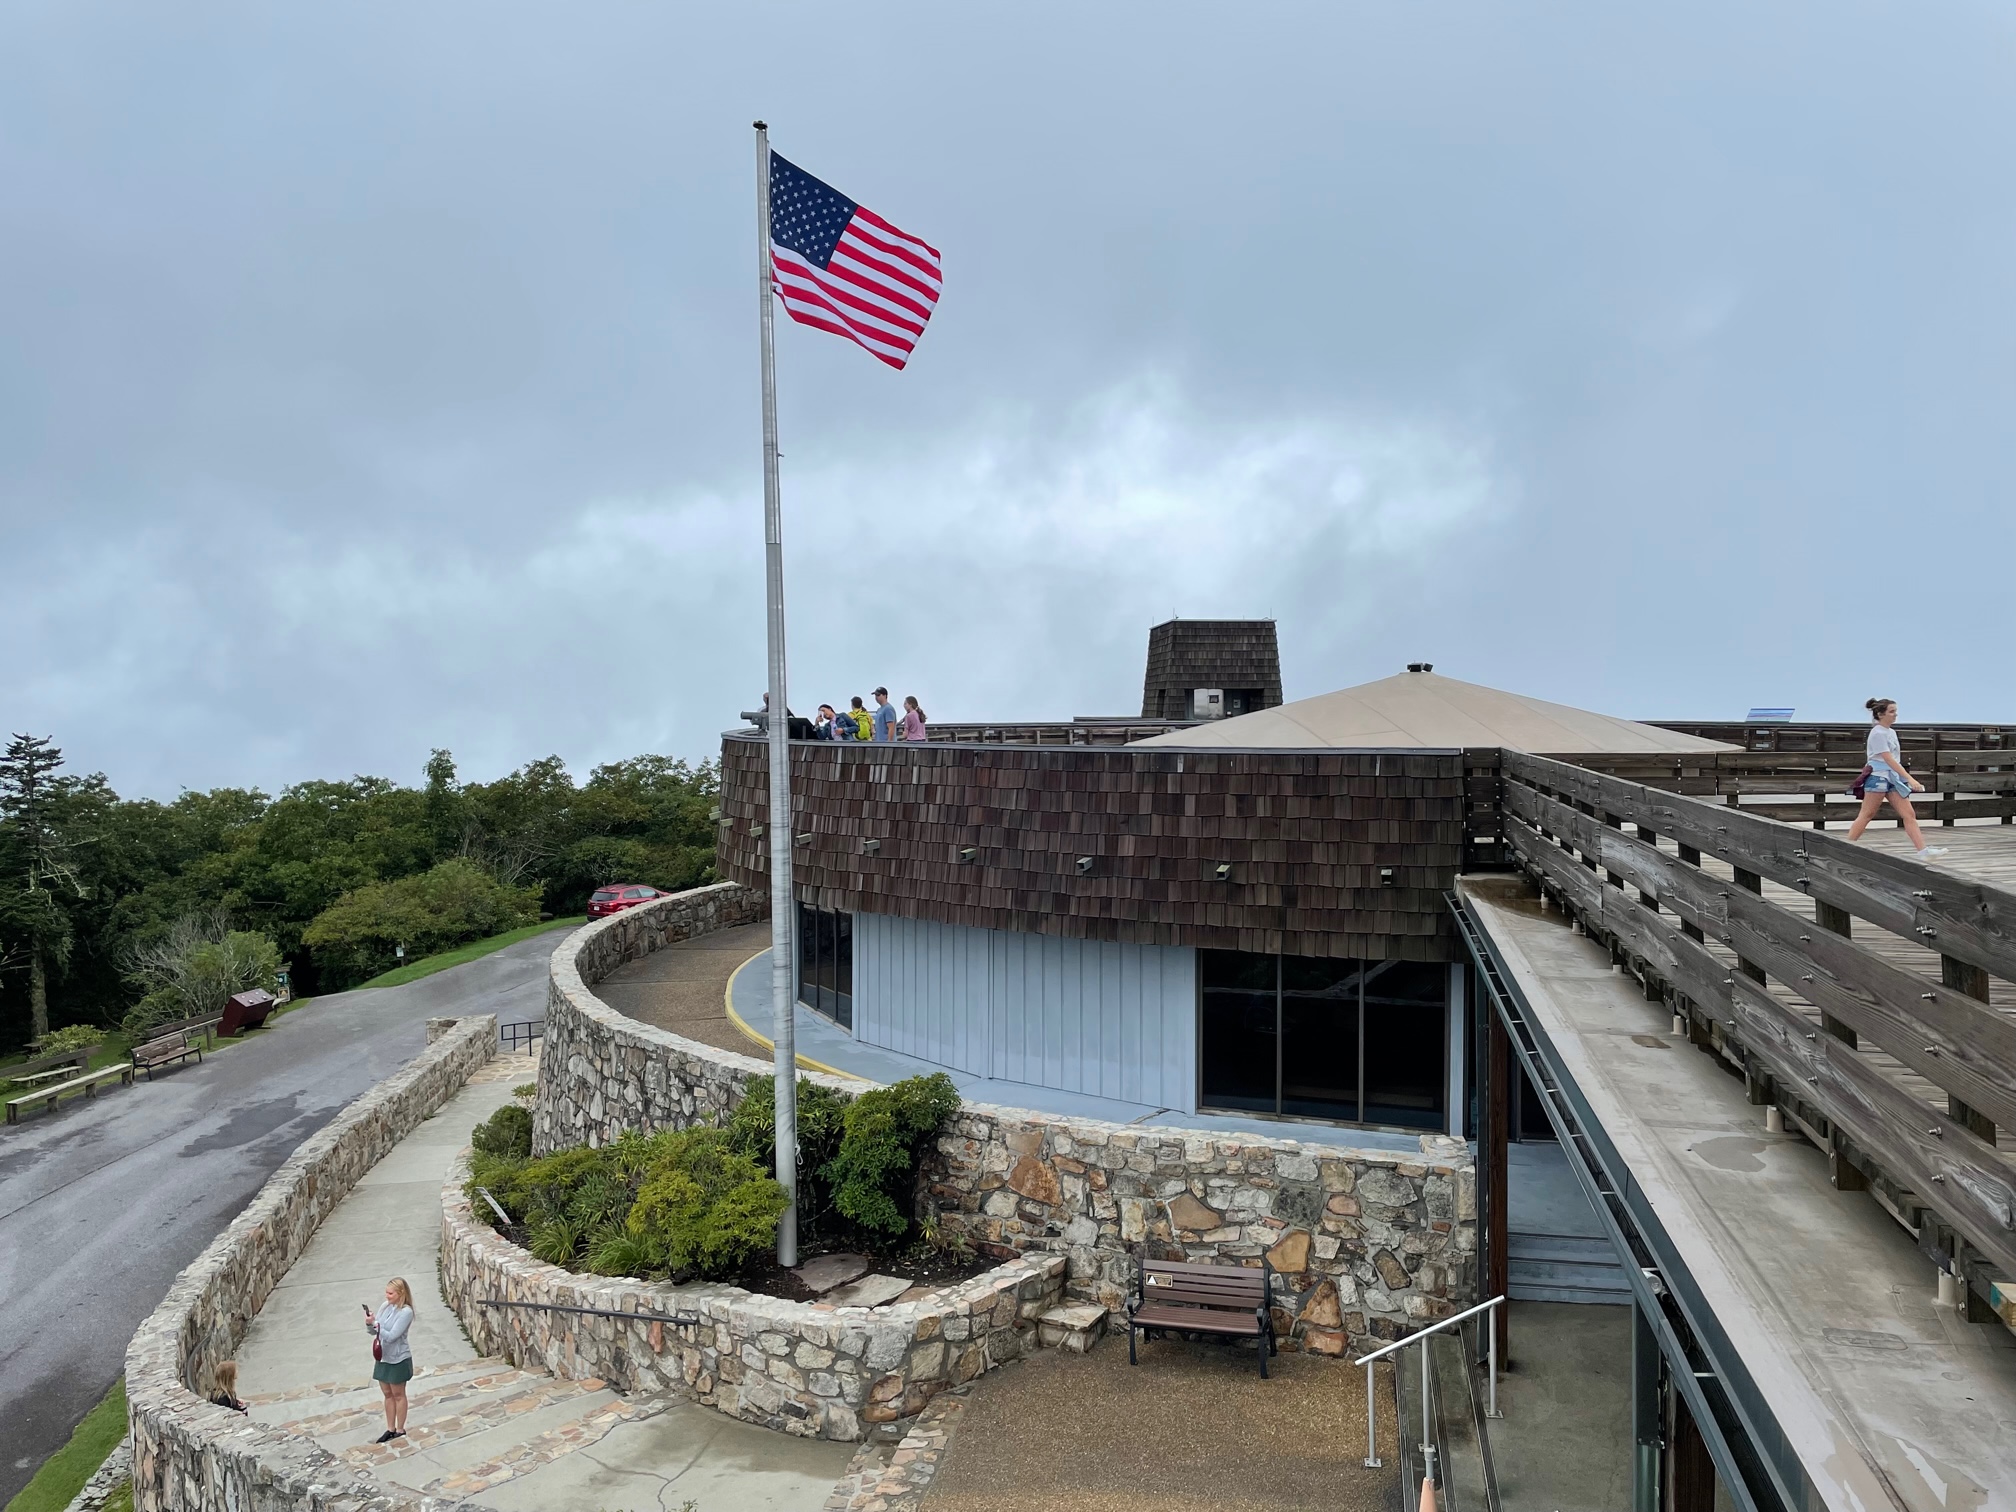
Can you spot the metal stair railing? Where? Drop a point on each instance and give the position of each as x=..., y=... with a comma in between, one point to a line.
x=1372, y=1460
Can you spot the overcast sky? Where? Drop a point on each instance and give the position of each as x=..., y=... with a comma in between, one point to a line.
x=382, y=377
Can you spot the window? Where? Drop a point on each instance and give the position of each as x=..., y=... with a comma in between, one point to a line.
x=603, y=895
x=638, y=892
x=1316, y=1037
x=826, y=963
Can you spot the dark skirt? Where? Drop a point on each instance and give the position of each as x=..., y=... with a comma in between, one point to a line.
x=393, y=1372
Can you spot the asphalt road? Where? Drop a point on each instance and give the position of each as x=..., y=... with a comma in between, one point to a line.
x=104, y=1202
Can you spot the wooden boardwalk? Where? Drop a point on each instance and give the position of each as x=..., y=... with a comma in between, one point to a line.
x=1983, y=850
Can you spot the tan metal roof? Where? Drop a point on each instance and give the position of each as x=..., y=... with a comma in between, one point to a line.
x=1424, y=710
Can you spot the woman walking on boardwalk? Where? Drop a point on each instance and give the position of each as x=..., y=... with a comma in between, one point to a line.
x=1888, y=779
x=390, y=1328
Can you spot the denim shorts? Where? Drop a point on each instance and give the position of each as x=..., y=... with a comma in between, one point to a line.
x=1884, y=780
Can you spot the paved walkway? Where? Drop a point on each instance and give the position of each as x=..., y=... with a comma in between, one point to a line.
x=684, y=987
x=479, y=1428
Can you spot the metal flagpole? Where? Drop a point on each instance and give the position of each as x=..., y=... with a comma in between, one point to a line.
x=782, y=907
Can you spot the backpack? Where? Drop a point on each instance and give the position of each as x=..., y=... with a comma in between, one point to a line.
x=863, y=722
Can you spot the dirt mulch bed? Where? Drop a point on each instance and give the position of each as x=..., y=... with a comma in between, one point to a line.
x=1193, y=1428
x=931, y=1272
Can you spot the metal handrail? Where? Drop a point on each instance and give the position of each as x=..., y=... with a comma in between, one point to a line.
x=1372, y=1460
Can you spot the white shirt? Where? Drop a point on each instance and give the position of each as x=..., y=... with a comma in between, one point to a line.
x=1882, y=738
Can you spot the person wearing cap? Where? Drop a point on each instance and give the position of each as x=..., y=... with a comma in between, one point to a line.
x=885, y=716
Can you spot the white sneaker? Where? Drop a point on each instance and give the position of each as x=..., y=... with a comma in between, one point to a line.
x=1930, y=851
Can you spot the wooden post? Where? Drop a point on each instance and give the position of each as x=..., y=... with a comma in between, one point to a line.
x=1835, y=921
x=1973, y=981
x=1651, y=838
x=1497, y=1224
x=1691, y=857
x=1611, y=821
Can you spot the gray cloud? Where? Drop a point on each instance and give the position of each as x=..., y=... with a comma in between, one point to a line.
x=385, y=378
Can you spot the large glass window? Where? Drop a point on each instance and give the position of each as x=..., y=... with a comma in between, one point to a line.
x=1316, y=1037
x=1241, y=1029
x=826, y=963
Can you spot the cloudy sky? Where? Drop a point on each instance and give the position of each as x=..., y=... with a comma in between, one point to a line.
x=382, y=377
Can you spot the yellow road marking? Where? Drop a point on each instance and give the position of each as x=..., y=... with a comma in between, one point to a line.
x=805, y=1062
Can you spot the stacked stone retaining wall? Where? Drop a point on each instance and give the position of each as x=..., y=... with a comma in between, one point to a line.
x=189, y=1456
x=1367, y=1243
x=799, y=1367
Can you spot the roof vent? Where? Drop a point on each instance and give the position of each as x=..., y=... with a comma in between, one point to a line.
x=1420, y=666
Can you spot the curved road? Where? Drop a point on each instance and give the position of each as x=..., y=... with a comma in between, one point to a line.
x=104, y=1202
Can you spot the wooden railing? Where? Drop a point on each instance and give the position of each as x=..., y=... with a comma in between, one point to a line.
x=1811, y=786
x=1831, y=1029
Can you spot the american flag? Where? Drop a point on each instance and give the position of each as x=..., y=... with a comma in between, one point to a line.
x=845, y=269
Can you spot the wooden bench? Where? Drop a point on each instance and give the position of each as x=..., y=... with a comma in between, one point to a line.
x=87, y=1084
x=1229, y=1301
x=43, y=1067
x=167, y=1050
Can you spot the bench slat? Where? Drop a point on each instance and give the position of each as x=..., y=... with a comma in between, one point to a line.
x=1195, y=1320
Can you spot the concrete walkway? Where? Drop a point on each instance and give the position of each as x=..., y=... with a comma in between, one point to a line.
x=479, y=1428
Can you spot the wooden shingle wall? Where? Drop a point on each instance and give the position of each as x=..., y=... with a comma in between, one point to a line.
x=1187, y=654
x=1307, y=835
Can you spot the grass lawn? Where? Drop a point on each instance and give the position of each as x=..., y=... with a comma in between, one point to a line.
x=412, y=971
x=63, y=1474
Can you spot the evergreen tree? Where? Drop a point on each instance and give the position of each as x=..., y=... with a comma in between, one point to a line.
x=37, y=866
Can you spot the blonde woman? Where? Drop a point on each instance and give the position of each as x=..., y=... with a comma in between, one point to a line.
x=1888, y=779
x=390, y=1328
x=224, y=1381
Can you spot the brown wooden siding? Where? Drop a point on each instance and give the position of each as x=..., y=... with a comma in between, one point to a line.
x=1187, y=654
x=1307, y=835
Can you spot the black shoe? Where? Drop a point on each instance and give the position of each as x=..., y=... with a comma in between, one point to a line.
x=398, y=1433
x=384, y=1438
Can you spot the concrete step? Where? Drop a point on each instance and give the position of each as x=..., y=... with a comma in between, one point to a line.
x=1567, y=1273
x=1534, y=1291
x=1579, y=1247
x=486, y=1432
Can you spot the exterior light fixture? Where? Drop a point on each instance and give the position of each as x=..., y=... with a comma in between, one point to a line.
x=968, y=853
x=870, y=847
x=1222, y=871
x=714, y=814
x=806, y=838
x=757, y=831
x=1085, y=866
x=1386, y=877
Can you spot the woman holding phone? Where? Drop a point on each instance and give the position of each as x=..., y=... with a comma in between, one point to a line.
x=390, y=1328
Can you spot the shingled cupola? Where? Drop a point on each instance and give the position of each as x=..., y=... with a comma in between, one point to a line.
x=1211, y=669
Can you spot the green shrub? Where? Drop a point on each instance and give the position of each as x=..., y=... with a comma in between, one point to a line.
x=72, y=1037
x=354, y=938
x=615, y=1252
x=752, y=1131
x=704, y=1208
x=886, y=1131
x=507, y=1132
x=190, y=971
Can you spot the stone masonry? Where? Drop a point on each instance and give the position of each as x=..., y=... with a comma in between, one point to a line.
x=189, y=1456
x=1367, y=1244
x=799, y=1367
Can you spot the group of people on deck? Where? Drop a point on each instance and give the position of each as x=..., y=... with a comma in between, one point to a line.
x=884, y=722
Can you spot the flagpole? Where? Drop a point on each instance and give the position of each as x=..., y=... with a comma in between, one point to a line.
x=782, y=906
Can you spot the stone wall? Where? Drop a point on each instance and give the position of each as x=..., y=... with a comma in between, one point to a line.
x=798, y=1367
x=611, y=1073
x=1369, y=1243
x=189, y=1456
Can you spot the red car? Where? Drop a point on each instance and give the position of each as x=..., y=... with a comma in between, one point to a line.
x=618, y=896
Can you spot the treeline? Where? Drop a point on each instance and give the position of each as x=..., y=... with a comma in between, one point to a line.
x=108, y=903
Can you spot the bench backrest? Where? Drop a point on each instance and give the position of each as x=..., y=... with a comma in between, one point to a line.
x=78, y=1058
x=162, y=1044
x=1232, y=1287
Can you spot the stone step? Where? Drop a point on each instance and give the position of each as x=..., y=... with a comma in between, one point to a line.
x=449, y=1421
x=526, y=1456
x=425, y=1404
x=1075, y=1329
x=485, y=1433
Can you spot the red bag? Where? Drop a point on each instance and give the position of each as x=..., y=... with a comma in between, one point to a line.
x=1860, y=786
x=377, y=1350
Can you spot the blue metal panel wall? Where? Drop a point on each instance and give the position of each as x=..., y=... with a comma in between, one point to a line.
x=1088, y=1016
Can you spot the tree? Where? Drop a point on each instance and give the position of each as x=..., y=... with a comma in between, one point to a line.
x=195, y=968
x=39, y=866
x=356, y=936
